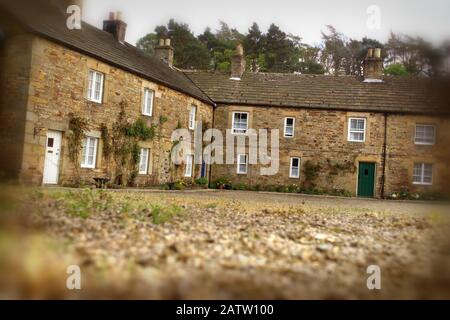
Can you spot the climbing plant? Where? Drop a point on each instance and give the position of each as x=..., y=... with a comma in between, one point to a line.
x=123, y=145
x=77, y=128
x=311, y=172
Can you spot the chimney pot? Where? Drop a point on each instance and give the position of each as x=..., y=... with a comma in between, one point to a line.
x=377, y=53
x=164, y=51
x=373, y=66
x=119, y=15
x=112, y=16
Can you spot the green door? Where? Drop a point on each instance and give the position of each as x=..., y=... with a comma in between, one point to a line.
x=366, y=179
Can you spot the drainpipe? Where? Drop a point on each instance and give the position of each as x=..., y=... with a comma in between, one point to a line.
x=383, y=176
x=213, y=125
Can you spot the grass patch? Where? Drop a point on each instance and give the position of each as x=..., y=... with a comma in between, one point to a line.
x=161, y=214
x=86, y=202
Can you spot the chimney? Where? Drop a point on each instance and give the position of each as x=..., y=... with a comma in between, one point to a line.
x=164, y=51
x=373, y=66
x=238, y=63
x=115, y=26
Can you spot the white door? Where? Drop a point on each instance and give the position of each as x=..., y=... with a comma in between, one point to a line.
x=52, y=154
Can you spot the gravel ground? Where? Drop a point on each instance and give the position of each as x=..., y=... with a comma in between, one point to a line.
x=223, y=245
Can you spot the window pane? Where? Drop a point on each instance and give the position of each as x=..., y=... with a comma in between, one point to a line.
x=425, y=134
x=357, y=136
x=149, y=101
x=143, y=161
x=91, y=79
x=98, y=83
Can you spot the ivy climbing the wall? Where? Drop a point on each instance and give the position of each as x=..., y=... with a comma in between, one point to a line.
x=77, y=129
x=122, y=144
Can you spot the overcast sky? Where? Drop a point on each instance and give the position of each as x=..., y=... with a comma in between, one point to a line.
x=428, y=18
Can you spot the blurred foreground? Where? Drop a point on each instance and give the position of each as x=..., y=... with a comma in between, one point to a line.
x=218, y=245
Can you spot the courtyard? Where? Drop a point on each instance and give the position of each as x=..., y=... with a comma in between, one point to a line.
x=213, y=244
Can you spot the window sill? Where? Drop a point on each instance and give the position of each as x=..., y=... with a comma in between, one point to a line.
x=357, y=141
x=422, y=184
x=94, y=102
x=424, y=144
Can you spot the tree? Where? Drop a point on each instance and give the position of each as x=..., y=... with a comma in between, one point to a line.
x=279, y=50
x=148, y=43
x=253, y=46
x=418, y=56
x=334, y=50
x=189, y=52
x=396, y=69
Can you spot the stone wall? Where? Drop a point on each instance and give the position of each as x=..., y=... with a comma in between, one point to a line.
x=321, y=138
x=58, y=86
x=402, y=153
x=15, y=59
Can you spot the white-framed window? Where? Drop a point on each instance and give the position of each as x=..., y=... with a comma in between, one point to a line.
x=294, y=171
x=423, y=173
x=95, y=88
x=357, y=129
x=144, y=160
x=89, y=152
x=242, y=164
x=147, y=105
x=425, y=134
x=192, y=114
x=189, y=165
x=240, y=123
x=289, y=127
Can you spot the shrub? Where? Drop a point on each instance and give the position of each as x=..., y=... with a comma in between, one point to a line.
x=405, y=194
x=240, y=186
x=292, y=188
x=179, y=185
x=161, y=214
x=340, y=193
x=203, y=181
x=222, y=183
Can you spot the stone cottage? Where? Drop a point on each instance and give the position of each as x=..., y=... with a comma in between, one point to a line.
x=370, y=136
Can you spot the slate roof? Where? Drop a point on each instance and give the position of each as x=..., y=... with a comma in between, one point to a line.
x=394, y=94
x=51, y=24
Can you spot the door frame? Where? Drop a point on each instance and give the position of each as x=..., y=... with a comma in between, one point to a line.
x=59, y=157
x=374, y=178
